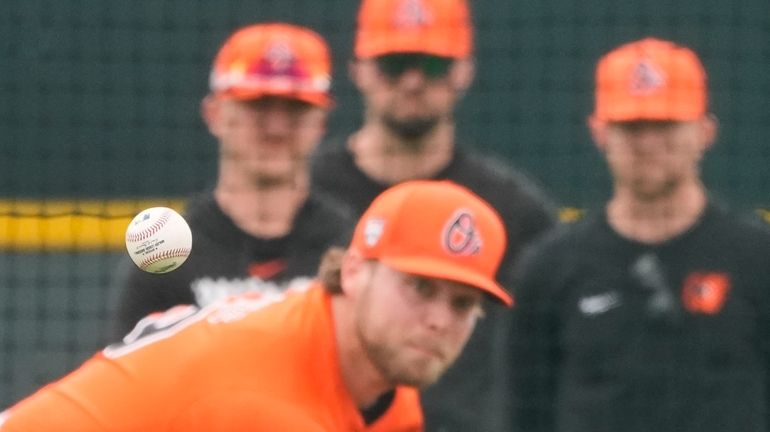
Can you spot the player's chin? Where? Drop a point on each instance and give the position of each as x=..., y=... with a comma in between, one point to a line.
x=422, y=375
x=647, y=189
x=277, y=174
x=421, y=370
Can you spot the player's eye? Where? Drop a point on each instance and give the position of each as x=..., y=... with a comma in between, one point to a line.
x=424, y=288
x=465, y=304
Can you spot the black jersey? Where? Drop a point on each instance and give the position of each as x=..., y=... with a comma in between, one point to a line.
x=616, y=335
x=472, y=395
x=225, y=260
x=524, y=209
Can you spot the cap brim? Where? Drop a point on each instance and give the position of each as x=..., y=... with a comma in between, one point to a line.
x=424, y=49
x=435, y=268
x=635, y=114
x=318, y=99
x=653, y=108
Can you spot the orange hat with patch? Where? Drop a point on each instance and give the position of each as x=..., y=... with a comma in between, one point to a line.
x=436, y=229
x=438, y=27
x=274, y=59
x=650, y=79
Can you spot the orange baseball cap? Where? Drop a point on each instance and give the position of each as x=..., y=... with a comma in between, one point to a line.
x=273, y=59
x=650, y=79
x=435, y=229
x=438, y=27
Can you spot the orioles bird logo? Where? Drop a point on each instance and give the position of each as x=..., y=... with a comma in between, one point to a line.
x=412, y=14
x=646, y=78
x=460, y=234
x=705, y=292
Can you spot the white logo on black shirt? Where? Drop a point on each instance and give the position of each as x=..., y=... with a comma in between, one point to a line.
x=599, y=303
x=207, y=290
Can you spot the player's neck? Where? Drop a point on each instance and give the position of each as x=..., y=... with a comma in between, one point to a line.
x=656, y=220
x=385, y=157
x=363, y=381
x=261, y=210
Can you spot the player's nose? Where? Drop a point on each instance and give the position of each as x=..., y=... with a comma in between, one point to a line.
x=438, y=314
x=412, y=78
x=277, y=121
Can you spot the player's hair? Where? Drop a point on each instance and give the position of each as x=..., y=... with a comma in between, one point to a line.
x=330, y=269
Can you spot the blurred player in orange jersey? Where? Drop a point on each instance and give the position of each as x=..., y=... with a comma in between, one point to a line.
x=386, y=317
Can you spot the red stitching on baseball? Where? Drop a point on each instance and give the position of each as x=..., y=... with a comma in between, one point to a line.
x=151, y=230
x=171, y=253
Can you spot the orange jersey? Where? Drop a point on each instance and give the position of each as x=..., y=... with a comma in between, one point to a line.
x=265, y=363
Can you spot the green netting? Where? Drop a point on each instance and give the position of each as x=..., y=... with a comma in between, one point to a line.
x=100, y=99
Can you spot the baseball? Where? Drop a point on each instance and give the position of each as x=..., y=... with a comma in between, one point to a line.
x=158, y=240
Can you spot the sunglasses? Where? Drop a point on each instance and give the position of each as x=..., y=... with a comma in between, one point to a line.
x=432, y=67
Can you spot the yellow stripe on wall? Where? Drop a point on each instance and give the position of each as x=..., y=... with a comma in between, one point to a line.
x=29, y=225
x=93, y=225
x=764, y=214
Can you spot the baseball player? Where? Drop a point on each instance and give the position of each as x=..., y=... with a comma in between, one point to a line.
x=258, y=228
x=347, y=353
x=654, y=313
x=413, y=62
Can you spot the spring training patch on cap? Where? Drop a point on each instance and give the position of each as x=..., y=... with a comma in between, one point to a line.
x=279, y=69
x=278, y=60
x=373, y=231
x=460, y=236
x=412, y=14
x=646, y=78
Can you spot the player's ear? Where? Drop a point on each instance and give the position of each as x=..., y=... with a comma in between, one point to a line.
x=353, y=272
x=210, y=106
x=355, y=73
x=462, y=73
x=598, y=129
x=709, y=127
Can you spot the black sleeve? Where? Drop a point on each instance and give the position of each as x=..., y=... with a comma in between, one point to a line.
x=533, y=343
x=138, y=294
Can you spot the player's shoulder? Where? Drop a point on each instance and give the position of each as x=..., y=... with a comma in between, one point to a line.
x=324, y=221
x=494, y=174
x=567, y=237
x=292, y=323
x=326, y=210
x=206, y=218
x=332, y=153
x=745, y=229
x=486, y=166
x=333, y=169
x=212, y=328
x=199, y=204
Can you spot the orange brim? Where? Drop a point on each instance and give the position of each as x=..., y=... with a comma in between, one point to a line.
x=411, y=44
x=436, y=268
x=656, y=109
x=322, y=100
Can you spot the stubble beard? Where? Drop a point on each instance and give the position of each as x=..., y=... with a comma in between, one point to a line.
x=265, y=178
x=411, y=130
x=646, y=191
x=387, y=361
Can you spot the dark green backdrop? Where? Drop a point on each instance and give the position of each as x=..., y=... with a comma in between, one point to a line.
x=99, y=98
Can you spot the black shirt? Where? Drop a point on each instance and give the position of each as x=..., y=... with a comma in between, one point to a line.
x=615, y=335
x=225, y=260
x=472, y=395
